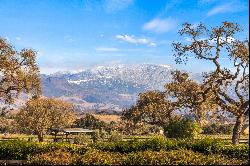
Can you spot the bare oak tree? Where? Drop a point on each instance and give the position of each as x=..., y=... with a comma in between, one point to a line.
x=18, y=72
x=230, y=82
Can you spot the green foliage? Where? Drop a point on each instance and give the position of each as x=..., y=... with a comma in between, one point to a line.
x=156, y=150
x=216, y=128
x=115, y=136
x=82, y=139
x=134, y=145
x=206, y=146
x=215, y=146
x=97, y=157
x=16, y=150
x=20, y=150
x=234, y=151
x=177, y=157
x=90, y=122
x=182, y=128
x=103, y=134
x=96, y=136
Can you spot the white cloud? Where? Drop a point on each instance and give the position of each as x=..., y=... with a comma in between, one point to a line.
x=160, y=25
x=226, y=8
x=18, y=38
x=134, y=40
x=116, y=5
x=223, y=39
x=107, y=49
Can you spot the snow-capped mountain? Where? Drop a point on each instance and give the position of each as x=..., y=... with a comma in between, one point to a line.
x=104, y=87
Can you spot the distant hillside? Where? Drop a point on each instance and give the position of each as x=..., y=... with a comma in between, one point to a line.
x=107, y=88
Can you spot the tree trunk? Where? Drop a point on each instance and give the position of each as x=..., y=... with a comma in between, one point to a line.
x=40, y=137
x=237, y=130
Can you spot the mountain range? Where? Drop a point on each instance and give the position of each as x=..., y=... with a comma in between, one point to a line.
x=107, y=88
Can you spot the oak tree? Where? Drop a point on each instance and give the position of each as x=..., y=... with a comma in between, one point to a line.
x=229, y=83
x=18, y=72
x=89, y=121
x=187, y=94
x=40, y=115
x=152, y=107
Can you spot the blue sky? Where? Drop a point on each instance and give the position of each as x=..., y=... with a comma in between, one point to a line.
x=78, y=34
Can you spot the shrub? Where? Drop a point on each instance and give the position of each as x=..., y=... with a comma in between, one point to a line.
x=58, y=157
x=155, y=143
x=82, y=139
x=96, y=136
x=115, y=136
x=177, y=157
x=20, y=150
x=95, y=157
x=233, y=151
x=103, y=134
x=206, y=146
x=182, y=128
x=215, y=146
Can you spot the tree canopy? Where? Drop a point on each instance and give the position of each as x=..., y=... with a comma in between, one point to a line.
x=187, y=94
x=18, y=72
x=152, y=107
x=40, y=115
x=214, y=45
x=91, y=122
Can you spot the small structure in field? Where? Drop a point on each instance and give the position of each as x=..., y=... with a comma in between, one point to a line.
x=69, y=131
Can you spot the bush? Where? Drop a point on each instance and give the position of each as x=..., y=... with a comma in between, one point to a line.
x=216, y=128
x=182, y=128
x=20, y=150
x=103, y=134
x=233, y=151
x=95, y=157
x=177, y=157
x=206, y=146
x=17, y=150
x=82, y=139
x=115, y=136
x=58, y=157
x=215, y=146
x=155, y=143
